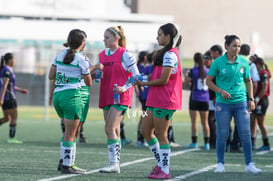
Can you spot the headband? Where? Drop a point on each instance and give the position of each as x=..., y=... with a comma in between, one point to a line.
x=116, y=33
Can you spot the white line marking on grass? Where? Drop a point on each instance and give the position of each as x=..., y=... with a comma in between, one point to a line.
x=121, y=165
x=264, y=152
x=270, y=166
x=260, y=136
x=196, y=172
x=56, y=151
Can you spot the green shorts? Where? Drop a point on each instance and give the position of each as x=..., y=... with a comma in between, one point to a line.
x=122, y=108
x=160, y=113
x=85, y=95
x=67, y=103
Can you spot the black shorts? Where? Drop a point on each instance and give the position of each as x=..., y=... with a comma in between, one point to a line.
x=143, y=104
x=9, y=104
x=261, y=107
x=199, y=106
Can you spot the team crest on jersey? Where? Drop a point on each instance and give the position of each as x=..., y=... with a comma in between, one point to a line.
x=223, y=71
x=241, y=70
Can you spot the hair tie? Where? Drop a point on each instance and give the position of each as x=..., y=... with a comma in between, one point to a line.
x=257, y=62
x=116, y=33
x=175, y=39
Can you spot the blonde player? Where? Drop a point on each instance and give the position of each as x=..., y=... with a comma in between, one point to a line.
x=119, y=65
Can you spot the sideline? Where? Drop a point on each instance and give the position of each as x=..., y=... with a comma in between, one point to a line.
x=121, y=165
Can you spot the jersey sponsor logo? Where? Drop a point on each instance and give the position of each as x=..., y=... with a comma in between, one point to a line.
x=108, y=63
x=241, y=70
x=168, y=60
x=223, y=71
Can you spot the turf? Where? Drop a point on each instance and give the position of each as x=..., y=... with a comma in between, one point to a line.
x=38, y=156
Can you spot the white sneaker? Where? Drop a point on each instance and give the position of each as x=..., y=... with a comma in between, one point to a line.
x=251, y=168
x=219, y=168
x=174, y=145
x=111, y=168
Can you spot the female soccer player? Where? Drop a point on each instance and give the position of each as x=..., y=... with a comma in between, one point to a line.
x=119, y=65
x=7, y=97
x=68, y=68
x=164, y=98
x=262, y=102
x=199, y=100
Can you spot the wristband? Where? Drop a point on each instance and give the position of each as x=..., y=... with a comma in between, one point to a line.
x=251, y=99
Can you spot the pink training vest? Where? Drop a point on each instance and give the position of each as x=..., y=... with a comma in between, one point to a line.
x=114, y=73
x=168, y=96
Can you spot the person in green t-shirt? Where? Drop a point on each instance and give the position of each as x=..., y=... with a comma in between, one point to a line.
x=232, y=79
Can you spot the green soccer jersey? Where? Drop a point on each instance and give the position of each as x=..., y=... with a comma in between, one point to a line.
x=230, y=77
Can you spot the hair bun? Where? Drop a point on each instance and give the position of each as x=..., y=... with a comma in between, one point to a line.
x=226, y=37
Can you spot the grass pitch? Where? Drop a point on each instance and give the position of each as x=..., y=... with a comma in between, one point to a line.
x=37, y=157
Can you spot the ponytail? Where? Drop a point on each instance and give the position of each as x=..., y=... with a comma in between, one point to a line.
x=5, y=59
x=2, y=63
x=198, y=58
x=175, y=41
x=74, y=41
x=267, y=69
x=122, y=40
x=260, y=61
x=69, y=57
x=117, y=31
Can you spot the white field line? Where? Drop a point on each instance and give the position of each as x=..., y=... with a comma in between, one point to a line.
x=199, y=171
x=122, y=165
x=57, y=151
x=196, y=172
x=263, y=152
x=271, y=134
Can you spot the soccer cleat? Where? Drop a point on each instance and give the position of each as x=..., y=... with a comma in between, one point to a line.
x=154, y=171
x=14, y=140
x=60, y=165
x=110, y=168
x=141, y=144
x=125, y=141
x=219, y=168
x=264, y=148
x=174, y=145
x=251, y=168
x=160, y=175
x=78, y=169
x=192, y=145
x=82, y=139
x=206, y=146
x=70, y=170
